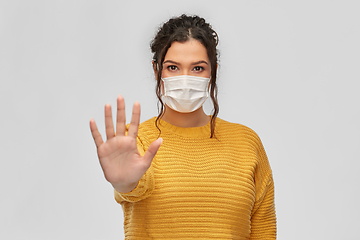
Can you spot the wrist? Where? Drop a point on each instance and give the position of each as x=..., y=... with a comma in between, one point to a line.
x=125, y=188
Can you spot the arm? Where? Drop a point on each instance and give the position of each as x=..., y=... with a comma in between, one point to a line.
x=263, y=219
x=263, y=216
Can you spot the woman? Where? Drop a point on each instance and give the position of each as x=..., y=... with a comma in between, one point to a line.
x=210, y=178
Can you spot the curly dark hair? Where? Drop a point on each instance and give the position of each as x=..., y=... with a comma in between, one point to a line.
x=181, y=29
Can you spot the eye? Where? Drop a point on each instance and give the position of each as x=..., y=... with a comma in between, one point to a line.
x=198, y=68
x=172, y=68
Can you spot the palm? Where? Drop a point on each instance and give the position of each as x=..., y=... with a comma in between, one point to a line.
x=122, y=164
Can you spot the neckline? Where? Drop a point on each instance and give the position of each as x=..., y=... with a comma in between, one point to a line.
x=186, y=132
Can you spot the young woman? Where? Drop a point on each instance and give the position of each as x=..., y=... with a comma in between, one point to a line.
x=210, y=179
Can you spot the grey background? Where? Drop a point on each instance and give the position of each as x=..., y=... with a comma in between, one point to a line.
x=288, y=69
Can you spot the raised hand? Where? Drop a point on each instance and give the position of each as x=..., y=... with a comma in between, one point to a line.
x=121, y=162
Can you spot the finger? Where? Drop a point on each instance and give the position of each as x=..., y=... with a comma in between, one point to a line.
x=95, y=133
x=135, y=119
x=109, y=126
x=151, y=152
x=121, y=118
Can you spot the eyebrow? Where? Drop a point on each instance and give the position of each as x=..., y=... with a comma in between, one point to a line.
x=202, y=61
x=194, y=63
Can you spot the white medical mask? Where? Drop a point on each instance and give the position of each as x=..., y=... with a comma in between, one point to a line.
x=185, y=93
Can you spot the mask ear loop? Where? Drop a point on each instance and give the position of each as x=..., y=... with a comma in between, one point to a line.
x=209, y=87
x=162, y=81
x=162, y=87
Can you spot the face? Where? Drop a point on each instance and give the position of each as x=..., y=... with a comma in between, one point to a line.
x=186, y=58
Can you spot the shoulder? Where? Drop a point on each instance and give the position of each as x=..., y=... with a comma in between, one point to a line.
x=236, y=128
x=148, y=131
x=145, y=128
x=148, y=124
x=236, y=131
x=245, y=139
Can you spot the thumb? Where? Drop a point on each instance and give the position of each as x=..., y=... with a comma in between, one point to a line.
x=151, y=152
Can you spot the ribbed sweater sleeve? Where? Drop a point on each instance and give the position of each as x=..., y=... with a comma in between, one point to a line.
x=263, y=217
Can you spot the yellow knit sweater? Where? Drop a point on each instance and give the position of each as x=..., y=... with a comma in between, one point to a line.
x=200, y=187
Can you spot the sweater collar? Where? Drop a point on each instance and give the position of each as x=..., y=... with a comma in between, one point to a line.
x=189, y=132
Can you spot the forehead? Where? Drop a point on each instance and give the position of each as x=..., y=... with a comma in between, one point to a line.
x=189, y=51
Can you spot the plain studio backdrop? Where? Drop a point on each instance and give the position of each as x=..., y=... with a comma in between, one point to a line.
x=288, y=69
